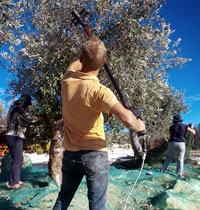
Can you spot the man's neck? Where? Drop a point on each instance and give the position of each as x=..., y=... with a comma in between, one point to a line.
x=94, y=72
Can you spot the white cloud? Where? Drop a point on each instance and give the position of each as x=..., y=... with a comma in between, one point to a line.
x=194, y=98
x=2, y=91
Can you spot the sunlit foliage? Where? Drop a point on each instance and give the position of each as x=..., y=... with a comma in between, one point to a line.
x=139, y=54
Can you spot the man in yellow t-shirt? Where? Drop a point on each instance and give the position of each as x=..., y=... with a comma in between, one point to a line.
x=84, y=99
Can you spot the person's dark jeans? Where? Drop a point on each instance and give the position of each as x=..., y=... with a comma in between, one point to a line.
x=15, y=145
x=95, y=166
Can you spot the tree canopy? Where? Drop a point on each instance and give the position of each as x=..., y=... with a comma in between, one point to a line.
x=139, y=53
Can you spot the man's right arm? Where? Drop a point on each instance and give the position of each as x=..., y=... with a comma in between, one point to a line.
x=127, y=118
x=74, y=66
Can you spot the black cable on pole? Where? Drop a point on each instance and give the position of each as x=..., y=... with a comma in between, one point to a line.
x=79, y=19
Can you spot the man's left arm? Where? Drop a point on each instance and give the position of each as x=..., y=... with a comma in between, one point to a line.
x=191, y=129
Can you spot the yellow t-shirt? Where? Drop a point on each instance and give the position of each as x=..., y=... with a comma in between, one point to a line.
x=83, y=101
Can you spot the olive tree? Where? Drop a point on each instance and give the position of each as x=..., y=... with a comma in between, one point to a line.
x=10, y=14
x=139, y=54
x=2, y=116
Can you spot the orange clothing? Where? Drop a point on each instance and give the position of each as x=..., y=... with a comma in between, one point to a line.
x=84, y=99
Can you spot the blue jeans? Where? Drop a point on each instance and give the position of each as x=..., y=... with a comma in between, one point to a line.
x=15, y=145
x=95, y=166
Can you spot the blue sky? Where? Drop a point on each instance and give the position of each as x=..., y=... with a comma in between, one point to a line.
x=184, y=18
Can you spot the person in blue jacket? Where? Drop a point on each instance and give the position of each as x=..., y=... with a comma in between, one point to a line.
x=177, y=144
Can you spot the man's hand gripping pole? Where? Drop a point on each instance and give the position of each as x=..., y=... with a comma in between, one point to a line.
x=79, y=19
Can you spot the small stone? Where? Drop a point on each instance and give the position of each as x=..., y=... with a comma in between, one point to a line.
x=149, y=173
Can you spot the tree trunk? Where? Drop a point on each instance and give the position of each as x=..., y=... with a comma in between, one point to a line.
x=56, y=151
x=189, y=139
x=55, y=158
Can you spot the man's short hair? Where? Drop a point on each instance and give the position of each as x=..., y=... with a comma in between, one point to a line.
x=93, y=53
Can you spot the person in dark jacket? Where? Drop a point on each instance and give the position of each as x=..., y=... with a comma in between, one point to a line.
x=177, y=143
x=17, y=122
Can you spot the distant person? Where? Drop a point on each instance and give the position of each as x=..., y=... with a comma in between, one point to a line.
x=17, y=123
x=84, y=99
x=177, y=143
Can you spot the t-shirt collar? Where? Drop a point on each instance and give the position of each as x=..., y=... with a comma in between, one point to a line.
x=86, y=76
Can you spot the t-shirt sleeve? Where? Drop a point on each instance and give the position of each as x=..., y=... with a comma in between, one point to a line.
x=67, y=74
x=105, y=100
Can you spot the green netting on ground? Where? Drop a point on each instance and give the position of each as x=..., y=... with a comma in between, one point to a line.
x=156, y=191
x=38, y=193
